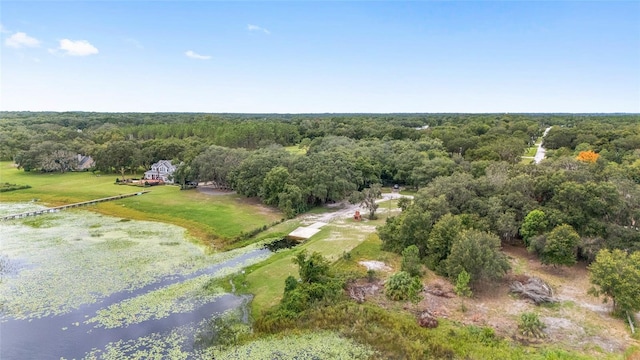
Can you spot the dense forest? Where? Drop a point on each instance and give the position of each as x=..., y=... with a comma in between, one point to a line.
x=465, y=165
x=468, y=166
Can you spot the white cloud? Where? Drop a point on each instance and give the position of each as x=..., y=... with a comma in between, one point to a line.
x=3, y=29
x=192, y=54
x=77, y=47
x=258, y=28
x=134, y=43
x=21, y=39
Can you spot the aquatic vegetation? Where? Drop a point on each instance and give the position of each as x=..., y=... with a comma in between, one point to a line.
x=18, y=208
x=317, y=345
x=175, y=345
x=176, y=298
x=70, y=265
x=145, y=276
x=154, y=346
x=39, y=221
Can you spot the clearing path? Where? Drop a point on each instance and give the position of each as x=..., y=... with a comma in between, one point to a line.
x=541, y=151
x=348, y=210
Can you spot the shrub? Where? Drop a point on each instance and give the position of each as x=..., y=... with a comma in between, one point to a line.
x=561, y=246
x=402, y=286
x=411, y=261
x=290, y=283
x=530, y=325
x=12, y=187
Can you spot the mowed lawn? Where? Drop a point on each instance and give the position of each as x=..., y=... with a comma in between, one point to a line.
x=266, y=281
x=211, y=218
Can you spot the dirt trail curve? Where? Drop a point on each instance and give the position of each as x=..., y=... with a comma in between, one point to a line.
x=347, y=210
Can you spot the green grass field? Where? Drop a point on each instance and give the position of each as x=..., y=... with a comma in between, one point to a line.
x=531, y=151
x=266, y=280
x=295, y=150
x=213, y=219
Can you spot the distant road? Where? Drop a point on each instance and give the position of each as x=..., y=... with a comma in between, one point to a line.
x=541, y=151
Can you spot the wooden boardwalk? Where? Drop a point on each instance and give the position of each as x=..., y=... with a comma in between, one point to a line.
x=64, y=207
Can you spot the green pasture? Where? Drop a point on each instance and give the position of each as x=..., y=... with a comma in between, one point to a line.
x=266, y=280
x=214, y=219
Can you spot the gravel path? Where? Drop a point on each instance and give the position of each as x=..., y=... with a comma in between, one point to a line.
x=347, y=210
x=541, y=151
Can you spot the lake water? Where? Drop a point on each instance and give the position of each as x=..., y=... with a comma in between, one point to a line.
x=81, y=285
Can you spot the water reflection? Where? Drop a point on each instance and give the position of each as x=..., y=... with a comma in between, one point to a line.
x=69, y=335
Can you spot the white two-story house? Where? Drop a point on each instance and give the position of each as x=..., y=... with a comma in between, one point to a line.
x=162, y=170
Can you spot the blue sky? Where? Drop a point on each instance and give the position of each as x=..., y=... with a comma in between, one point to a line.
x=317, y=57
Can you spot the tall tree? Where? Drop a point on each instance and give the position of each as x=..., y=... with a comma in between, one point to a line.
x=411, y=261
x=441, y=238
x=534, y=224
x=478, y=253
x=370, y=195
x=561, y=246
x=616, y=275
x=273, y=184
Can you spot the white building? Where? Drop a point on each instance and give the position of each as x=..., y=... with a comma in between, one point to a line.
x=162, y=170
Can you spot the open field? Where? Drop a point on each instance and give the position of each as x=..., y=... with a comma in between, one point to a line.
x=295, y=150
x=213, y=219
x=266, y=280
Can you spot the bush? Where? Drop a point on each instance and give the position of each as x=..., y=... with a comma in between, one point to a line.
x=411, y=261
x=290, y=283
x=561, y=246
x=530, y=325
x=402, y=286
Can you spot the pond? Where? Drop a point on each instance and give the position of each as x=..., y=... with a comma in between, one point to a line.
x=81, y=285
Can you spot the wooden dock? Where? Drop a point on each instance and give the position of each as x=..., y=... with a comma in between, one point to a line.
x=64, y=207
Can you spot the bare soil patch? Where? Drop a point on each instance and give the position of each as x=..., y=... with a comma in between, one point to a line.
x=578, y=321
x=375, y=265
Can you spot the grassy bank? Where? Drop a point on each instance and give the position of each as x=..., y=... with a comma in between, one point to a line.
x=213, y=219
x=266, y=280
